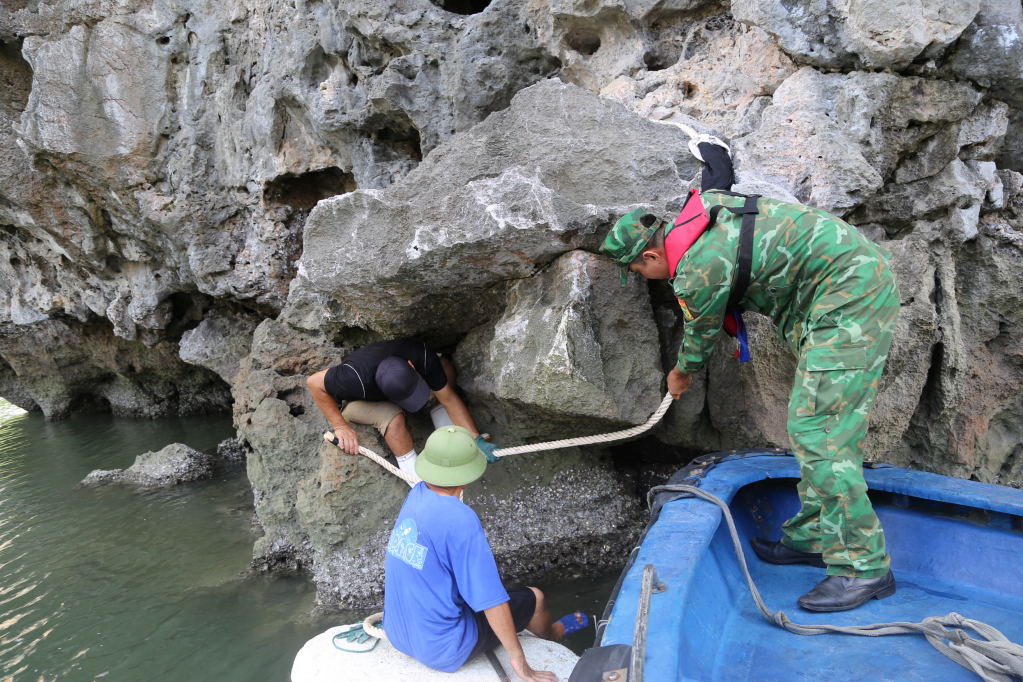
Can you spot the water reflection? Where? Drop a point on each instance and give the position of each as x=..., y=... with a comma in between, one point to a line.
x=122, y=583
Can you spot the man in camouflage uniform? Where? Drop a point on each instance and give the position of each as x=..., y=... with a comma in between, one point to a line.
x=835, y=302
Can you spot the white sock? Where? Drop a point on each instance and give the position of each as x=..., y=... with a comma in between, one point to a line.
x=407, y=462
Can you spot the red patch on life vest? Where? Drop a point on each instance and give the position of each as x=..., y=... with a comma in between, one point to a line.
x=686, y=312
x=689, y=225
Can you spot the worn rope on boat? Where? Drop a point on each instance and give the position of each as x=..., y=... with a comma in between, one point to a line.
x=994, y=659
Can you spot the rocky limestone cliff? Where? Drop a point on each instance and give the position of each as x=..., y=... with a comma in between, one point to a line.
x=199, y=196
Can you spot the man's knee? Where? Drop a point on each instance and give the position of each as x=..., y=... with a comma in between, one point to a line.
x=541, y=602
x=397, y=423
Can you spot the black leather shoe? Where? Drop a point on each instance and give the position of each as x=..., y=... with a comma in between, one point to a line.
x=837, y=593
x=777, y=553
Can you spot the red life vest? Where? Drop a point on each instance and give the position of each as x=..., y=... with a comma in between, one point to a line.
x=692, y=222
x=689, y=225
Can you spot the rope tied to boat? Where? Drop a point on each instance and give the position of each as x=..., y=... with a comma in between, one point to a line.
x=994, y=659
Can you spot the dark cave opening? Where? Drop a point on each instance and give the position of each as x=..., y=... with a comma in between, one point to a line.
x=406, y=141
x=656, y=62
x=583, y=41
x=464, y=7
x=15, y=76
x=302, y=192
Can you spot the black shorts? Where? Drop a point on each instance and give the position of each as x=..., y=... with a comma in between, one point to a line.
x=522, y=602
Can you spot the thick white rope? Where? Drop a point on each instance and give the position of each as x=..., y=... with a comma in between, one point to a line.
x=591, y=440
x=995, y=660
x=408, y=478
x=535, y=447
x=369, y=626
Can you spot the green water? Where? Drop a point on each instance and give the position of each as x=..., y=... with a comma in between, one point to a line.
x=125, y=584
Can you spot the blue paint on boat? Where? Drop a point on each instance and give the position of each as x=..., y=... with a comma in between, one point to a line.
x=956, y=546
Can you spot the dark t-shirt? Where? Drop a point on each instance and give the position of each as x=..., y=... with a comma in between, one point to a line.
x=355, y=378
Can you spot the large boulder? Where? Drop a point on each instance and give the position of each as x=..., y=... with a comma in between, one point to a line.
x=218, y=343
x=547, y=175
x=573, y=352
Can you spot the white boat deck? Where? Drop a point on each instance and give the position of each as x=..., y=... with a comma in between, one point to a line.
x=320, y=661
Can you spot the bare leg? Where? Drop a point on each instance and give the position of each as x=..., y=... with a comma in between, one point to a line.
x=540, y=625
x=397, y=436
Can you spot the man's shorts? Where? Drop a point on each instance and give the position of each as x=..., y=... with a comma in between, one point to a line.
x=522, y=602
x=371, y=413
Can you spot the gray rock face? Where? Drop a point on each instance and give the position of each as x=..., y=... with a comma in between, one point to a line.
x=172, y=465
x=573, y=352
x=990, y=51
x=869, y=33
x=219, y=343
x=508, y=197
x=63, y=366
x=832, y=139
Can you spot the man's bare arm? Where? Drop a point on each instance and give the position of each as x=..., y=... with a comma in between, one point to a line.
x=457, y=410
x=500, y=619
x=347, y=438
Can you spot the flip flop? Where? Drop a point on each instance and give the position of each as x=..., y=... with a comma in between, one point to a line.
x=358, y=640
x=572, y=624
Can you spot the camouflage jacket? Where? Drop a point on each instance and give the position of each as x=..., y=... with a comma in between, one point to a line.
x=805, y=263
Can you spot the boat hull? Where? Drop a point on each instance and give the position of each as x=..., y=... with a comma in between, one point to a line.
x=956, y=546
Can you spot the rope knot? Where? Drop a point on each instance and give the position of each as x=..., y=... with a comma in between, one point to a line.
x=957, y=636
x=954, y=619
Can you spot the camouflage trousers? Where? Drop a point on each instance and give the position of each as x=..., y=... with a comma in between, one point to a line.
x=841, y=358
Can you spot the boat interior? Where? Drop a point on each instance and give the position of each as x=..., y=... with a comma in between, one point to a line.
x=956, y=546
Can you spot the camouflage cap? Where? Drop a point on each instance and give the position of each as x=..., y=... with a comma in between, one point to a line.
x=629, y=236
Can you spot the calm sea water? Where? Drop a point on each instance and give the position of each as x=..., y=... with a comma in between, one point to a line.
x=121, y=583
x=124, y=584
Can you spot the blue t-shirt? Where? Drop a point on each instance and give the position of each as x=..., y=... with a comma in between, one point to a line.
x=439, y=569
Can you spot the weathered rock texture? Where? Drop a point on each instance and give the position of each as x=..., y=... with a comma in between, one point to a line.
x=174, y=464
x=573, y=352
x=194, y=195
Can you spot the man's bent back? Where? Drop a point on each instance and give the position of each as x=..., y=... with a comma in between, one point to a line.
x=439, y=571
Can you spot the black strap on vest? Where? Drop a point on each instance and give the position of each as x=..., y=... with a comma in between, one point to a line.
x=744, y=263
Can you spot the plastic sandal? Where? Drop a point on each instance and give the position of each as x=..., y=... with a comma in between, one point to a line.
x=572, y=624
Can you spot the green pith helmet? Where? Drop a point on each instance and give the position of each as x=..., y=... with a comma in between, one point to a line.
x=450, y=458
x=629, y=236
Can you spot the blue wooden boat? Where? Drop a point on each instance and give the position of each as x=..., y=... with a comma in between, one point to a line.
x=956, y=546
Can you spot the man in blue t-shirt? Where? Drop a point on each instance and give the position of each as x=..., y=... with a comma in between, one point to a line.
x=443, y=598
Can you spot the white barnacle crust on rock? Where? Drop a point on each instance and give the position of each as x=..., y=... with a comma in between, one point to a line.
x=202, y=204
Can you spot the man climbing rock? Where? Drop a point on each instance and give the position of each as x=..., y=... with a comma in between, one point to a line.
x=380, y=381
x=835, y=302
x=443, y=598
